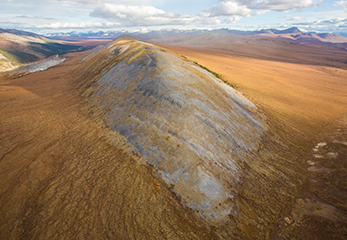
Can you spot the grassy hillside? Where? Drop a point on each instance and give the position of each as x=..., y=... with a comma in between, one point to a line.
x=18, y=56
x=52, y=48
x=18, y=47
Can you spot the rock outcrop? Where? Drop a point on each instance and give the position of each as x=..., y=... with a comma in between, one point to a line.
x=193, y=128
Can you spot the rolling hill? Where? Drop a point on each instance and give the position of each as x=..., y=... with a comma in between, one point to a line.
x=192, y=127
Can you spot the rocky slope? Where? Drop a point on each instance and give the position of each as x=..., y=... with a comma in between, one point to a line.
x=196, y=130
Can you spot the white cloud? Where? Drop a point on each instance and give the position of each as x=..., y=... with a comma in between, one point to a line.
x=237, y=9
x=340, y=3
x=229, y=9
x=94, y=2
x=113, y=14
x=329, y=25
x=34, y=17
x=204, y=19
x=233, y=19
x=261, y=12
x=275, y=5
x=296, y=18
x=147, y=16
x=82, y=25
x=109, y=11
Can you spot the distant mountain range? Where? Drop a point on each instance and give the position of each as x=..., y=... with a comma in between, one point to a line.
x=114, y=34
x=294, y=33
x=21, y=47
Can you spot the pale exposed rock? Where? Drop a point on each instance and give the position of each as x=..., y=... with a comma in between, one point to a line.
x=319, y=169
x=310, y=162
x=194, y=129
x=332, y=155
x=2, y=57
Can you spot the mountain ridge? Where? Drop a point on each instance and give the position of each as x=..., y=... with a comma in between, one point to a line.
x=177, y=32
x=21, y=33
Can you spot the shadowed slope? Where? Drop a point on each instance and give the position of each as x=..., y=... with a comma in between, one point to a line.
x=194, y=129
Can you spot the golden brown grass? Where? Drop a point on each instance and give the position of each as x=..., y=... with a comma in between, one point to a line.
x=300, y=98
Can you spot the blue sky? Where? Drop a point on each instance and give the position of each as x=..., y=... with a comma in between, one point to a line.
x=47, y=16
